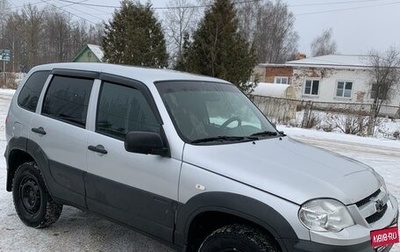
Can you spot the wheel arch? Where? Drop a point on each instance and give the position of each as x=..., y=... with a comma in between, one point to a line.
x=208, y=211
x=21, y=150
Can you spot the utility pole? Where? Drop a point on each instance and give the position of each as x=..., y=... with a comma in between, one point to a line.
x=4, y=54
x=3, y=4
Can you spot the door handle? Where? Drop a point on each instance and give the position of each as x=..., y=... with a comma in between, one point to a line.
x=99, y=148
x=39, y=130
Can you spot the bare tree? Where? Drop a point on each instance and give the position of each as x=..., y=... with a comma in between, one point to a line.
x=247, y=13
x=32, y=30
x=323, y=44
x=96, y=32
x=384, y=79
x=37, y=36
x=269, y=26
x=58, y=25
x=80, y=37
x=180, y=19
x=12, y=39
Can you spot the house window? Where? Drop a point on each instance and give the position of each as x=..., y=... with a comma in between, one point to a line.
x=374, y=91
x=281, y=80
x=378, y=92
x=344, y=89
x=312, y=87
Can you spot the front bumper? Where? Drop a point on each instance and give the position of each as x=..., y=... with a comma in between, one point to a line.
x=307, y=246
x=353, y=239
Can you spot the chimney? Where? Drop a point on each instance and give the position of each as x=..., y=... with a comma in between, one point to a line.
x=300, y=56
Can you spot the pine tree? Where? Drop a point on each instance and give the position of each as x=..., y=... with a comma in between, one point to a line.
x=135, y=37
x=218, y=49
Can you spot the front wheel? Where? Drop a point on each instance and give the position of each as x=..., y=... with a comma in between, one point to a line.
x=238, y=237
x=32, y=201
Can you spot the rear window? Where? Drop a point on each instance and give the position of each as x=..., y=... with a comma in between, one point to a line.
x=67, y=99
x=29, y=95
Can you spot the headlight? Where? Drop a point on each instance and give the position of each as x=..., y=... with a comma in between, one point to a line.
x=382, y=182
x=325, y=215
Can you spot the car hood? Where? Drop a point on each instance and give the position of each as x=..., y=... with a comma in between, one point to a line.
x=287, y=168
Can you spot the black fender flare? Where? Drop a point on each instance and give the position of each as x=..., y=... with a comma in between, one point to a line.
x=237, y=205
x=33, y=150
x=49, y=170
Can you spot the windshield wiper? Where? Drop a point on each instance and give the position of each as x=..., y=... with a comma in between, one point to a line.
x=265, y=133
x=219, y=138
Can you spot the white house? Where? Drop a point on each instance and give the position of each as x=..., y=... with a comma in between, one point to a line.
x=329, y=78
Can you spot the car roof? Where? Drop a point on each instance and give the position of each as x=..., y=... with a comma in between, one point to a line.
x=143, y=74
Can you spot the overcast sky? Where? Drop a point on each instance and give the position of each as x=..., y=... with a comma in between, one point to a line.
x=358, y=25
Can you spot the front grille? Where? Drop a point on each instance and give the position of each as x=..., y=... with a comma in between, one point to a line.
x=368, y=199
x=376, y=216
x=374, y=206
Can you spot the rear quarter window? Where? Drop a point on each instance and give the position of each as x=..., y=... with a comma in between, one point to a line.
x=29, y=95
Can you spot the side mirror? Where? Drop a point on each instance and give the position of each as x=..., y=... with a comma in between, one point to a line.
x=145, y=143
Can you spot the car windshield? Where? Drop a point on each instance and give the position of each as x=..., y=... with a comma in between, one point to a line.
x=213, y=113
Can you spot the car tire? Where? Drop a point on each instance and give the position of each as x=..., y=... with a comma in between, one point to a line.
x=32, y=201
x=237, y=237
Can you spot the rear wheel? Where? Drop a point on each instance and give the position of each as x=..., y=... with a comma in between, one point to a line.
x=237, y=237
x=32, y=201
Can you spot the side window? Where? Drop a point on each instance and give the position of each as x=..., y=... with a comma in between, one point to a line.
x=67, y=99
x=281, y=80
x=122, y=109
x=344, y=88
x=29, y=95
x=311, y=87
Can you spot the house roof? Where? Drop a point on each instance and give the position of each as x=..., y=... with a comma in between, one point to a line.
x=330, y=61
x=95, y=49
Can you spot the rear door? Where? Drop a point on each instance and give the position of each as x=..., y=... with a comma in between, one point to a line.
x=136, y=189
x=59, y=128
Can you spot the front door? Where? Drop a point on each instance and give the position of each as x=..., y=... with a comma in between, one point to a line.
x=136, y=189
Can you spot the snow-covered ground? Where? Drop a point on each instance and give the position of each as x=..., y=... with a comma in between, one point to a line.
x=80, y=231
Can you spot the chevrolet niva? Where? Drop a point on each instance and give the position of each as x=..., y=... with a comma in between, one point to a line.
x=186, y=159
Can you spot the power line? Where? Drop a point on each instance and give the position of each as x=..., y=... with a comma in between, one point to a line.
x=90, y=4
x=57, y=7
x=75, y=3
x=83, y=3
x=21, y=6
x=333, y=3
x=208, y=5
x=158, y=8
x=346, y=9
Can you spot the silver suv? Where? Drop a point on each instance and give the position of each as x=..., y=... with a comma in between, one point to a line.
x=187, y=159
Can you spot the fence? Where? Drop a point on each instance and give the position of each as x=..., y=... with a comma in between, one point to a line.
x=278, y=110
x=351, y=118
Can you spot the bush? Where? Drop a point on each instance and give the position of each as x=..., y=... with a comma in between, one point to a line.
x=396, y=134
x=352, y=124
x=311, y=121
